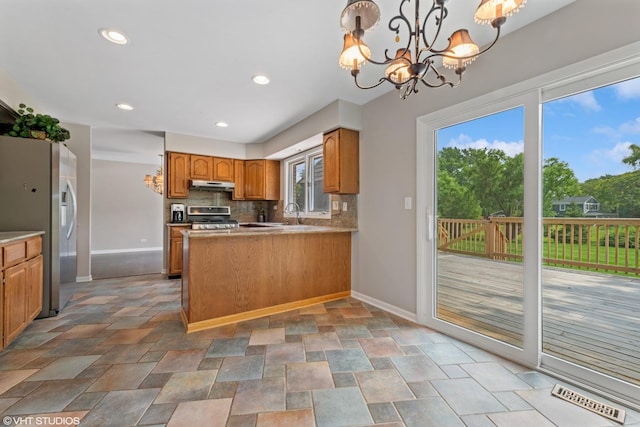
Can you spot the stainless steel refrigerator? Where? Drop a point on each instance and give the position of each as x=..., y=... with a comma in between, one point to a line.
x=38, y=192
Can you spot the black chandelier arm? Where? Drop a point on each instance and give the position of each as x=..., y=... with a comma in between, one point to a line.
x=373, y=61
x=359, y=86
x=400, y=17
x=408, y=88
x=439, y=19
x=382, y=80
x=442, y=81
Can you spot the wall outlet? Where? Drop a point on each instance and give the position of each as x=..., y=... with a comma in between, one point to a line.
x=344, y=206
x=275, y=207
x=334, y=205
x=143, y=240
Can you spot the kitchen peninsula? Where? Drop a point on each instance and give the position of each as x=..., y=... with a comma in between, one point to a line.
x=241, y=274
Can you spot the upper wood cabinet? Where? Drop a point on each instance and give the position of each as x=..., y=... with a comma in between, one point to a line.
x=238, y=179
x=211, y=168
x=222, y=169
x=262, y=180
x=201, y=167
x=341, y=164
x=178, y=175
x=254, y=179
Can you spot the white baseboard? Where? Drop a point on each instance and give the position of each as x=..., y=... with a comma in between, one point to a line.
x=119, y=251
x=80, y=279
x=386, y=307
x=163, y=271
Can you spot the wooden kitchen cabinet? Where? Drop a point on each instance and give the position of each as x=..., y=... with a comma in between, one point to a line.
x=341, y=161
x=262, y=180
x=15, y=301
x=21, y=295
x=34, y=287
x=222, y=169
x=200, y=167
x=210, y=168
x=175, y=249
x=178, y=166
x=238, y=179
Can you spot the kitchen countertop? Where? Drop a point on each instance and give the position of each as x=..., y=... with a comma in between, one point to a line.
x=11, y=236
x=178, y=224
x=262, y=230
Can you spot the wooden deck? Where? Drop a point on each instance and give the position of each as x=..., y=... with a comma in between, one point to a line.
x=591, y=319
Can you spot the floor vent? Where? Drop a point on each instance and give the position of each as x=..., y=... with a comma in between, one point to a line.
x=606, y=411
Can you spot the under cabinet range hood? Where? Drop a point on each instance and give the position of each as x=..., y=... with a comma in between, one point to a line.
x=211, y=185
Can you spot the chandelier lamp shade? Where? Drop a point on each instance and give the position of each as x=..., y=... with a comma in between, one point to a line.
x=156, y=182
x=422, y=53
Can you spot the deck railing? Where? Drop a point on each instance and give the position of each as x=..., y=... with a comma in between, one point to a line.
x=603, y=244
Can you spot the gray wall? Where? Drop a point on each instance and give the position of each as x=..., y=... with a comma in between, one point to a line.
x=385, y=256
x=126, y=215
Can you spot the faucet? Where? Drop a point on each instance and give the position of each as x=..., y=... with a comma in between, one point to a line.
x=297, y=210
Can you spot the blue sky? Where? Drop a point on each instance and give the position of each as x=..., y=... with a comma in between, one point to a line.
x=591, y=131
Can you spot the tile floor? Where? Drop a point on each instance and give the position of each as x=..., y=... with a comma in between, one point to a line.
x=117, y=355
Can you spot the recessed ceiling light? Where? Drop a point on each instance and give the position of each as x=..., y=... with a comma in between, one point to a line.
x=260, y=80
x=222, y=124
x=126, y=107
x=114, y=36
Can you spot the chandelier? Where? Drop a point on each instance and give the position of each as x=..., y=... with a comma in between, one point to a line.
x=416, y=62
x=156, y=182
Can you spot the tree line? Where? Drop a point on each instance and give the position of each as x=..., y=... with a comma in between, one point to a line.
x=475, y=183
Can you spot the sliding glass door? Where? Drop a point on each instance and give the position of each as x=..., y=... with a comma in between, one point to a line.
x=480, y=199
x=529, y=225
x=591, y=224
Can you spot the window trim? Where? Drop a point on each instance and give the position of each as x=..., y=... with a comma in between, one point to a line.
x=305, y=157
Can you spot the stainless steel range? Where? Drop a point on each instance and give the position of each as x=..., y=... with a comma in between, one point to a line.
x=210, y=218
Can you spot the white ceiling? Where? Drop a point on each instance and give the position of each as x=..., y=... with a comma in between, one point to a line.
x=189, y=63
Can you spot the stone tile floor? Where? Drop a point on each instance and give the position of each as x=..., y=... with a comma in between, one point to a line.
x=117, y=355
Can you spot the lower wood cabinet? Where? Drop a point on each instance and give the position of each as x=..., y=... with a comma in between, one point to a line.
x=15, y=301
x=175, y=249
x=34, y=287
x=21, y=296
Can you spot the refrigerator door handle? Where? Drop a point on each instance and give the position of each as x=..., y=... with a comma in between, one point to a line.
x=72, y=223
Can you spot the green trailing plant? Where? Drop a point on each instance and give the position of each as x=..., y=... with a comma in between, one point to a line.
x=41, y=126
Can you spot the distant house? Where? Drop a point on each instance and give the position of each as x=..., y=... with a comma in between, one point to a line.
x=589, y=206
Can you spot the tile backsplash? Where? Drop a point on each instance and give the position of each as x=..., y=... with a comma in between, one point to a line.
x=247, y=211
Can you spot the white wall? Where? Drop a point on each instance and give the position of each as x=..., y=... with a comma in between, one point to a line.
x=205, y=146
x=124, y=211
x=386, y=244
x=337, y=114
x=12, y=95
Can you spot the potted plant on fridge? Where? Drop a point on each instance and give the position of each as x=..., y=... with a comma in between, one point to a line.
x=38, y=126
